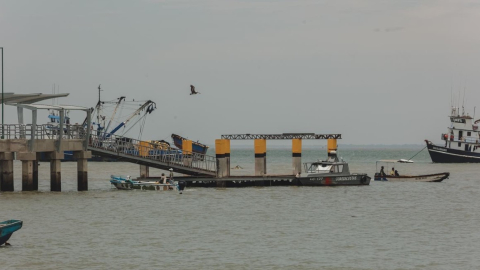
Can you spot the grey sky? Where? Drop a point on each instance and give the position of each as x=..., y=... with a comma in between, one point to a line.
x=379, y=72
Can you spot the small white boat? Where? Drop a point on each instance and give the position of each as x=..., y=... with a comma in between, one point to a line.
x=380, y=174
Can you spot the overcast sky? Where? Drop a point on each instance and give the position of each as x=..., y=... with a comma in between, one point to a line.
x=376, y=71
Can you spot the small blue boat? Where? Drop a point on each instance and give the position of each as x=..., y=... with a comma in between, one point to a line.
x=7, y=228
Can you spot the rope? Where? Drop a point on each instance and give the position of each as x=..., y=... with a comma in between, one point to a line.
x=417, y=153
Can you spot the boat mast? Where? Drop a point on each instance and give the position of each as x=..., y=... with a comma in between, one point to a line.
x=115, y=111
x=151, y=106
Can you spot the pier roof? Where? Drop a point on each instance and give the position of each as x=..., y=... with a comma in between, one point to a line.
x=51, y=107
x=12, y=98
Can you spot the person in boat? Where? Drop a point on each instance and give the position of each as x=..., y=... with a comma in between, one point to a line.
x=171, y=176
x=382, y=172
x=396, y=173
x=163, y=179
x=392, y=172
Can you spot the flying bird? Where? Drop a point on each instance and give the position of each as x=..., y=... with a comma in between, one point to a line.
x=192, y=89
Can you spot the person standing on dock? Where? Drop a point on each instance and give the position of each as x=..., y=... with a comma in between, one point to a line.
x=171, y=176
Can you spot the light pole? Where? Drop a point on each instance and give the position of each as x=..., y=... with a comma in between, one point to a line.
x=2, y=96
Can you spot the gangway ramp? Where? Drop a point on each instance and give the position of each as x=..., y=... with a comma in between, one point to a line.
x=143, y=153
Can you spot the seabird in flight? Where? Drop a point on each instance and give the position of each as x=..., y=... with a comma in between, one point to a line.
x=192, y=89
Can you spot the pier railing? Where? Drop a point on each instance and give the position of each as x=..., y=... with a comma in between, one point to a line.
x=146, y=150
x=45, y=131
x=113, y=144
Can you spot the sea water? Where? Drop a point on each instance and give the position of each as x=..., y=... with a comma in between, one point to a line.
x=381, y=226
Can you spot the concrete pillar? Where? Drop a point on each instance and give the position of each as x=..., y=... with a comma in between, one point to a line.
x=6, y=166
x=221, y=162
x=56, y=170
x=82, y=169
x=260, y=157
x=27, y=159
x=226, y=146
x=332, y=149
x=144, y=171
x=187, y=149
x=35, y=174
x=297, y=156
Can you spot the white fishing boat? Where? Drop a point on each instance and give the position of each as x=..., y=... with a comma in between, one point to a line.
x=462, y=140
x=399, y=175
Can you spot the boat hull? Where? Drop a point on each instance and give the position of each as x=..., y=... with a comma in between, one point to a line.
x=7, y=228
x=196, y=147
x=440, y=154
x=124, y=184
x=437, y=177
x=343, y=180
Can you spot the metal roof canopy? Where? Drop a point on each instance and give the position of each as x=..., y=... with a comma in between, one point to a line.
x=51, y=107
x=283, y=136
x=12, y=98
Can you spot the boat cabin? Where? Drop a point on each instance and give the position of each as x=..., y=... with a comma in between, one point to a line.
x=321, y=167
x=463, y=133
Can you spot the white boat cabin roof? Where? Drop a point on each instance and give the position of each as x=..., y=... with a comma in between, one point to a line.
x=395, y=161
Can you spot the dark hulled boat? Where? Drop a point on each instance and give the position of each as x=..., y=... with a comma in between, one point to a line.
x=331, y=172
x=461, y=141
x=196, y=146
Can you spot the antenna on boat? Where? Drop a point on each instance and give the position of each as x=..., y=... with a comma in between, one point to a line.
x=463, y=105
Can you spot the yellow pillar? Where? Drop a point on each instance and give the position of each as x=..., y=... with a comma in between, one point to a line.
x=260, y=156
x=187, y=152
x=332, y=149
x=297, y=156
x=220, y=156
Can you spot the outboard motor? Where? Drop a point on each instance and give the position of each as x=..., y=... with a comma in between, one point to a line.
x=181, y=186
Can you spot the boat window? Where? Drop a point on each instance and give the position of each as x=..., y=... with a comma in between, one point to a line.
x=319, y=168
x=469, y=133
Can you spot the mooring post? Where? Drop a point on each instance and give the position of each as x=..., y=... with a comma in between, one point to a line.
x=82, y=169
x=226, y=147
x=144, y=171
x=332, y=149
x=56, y=170
x=260, y=156
x=297, y=156
x=27, y=159
x=6, y=163
x=187, y=149
x=220, y=158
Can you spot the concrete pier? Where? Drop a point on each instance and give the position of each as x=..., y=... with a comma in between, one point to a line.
x=297, y=156
x=56, y=170
x=260, y=157
x=6, y=166
x=226, y=147
x=35, y=172
x=221, y=161
x=27, y=159
x=82, y=169
x=144, y=171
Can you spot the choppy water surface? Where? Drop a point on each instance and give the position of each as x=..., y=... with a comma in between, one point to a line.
x=381, y=226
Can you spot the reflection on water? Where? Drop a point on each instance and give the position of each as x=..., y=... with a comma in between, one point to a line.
x=381, y=226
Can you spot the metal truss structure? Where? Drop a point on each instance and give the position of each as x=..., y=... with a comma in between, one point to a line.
x=283, y=136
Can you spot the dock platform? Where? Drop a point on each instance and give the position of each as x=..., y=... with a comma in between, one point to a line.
x=235, y=181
